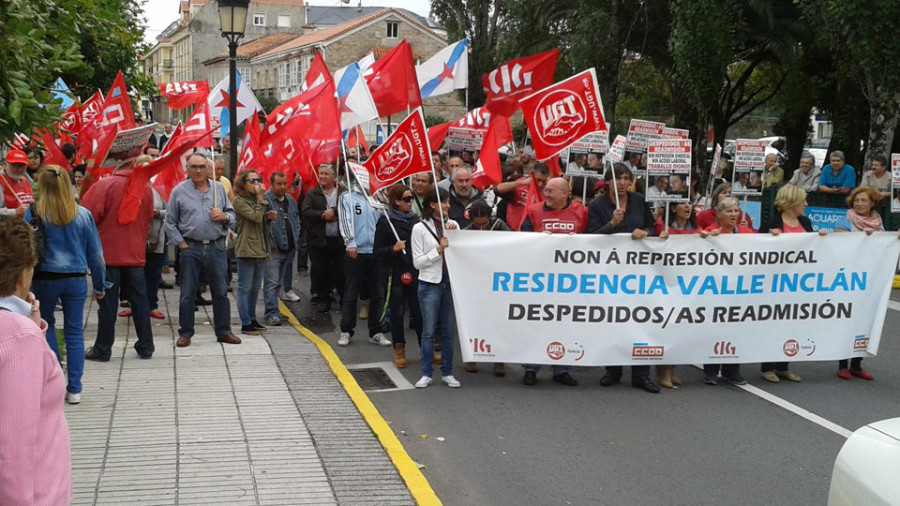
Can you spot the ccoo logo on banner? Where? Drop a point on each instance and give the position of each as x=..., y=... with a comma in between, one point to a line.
x=562, y=113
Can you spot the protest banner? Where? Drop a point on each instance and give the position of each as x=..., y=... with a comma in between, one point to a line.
x=668, y=170
x=824, y=218
x=609, y=300
x=749, y=163
x=716, y=160
x=895, y=183
x=640, y=133
x=675, y=133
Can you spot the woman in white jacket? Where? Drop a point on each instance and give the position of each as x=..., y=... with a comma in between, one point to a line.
x=435, y=300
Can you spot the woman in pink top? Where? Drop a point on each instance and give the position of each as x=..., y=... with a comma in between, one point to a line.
x=35, y=463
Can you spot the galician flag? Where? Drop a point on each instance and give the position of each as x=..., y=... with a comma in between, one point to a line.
x=218, y=102
x=446, y=71
x=354, y=101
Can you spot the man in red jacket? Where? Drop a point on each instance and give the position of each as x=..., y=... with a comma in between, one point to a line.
x=124, y=247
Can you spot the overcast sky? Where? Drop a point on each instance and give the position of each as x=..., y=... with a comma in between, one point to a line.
x=160, y=13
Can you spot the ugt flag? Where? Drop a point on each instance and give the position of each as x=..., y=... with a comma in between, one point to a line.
x=446, y=71
x=404, y=153
x=561, y=114
x=218, y=102
x=504, y=85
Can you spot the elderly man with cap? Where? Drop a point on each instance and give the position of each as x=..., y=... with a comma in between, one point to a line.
x=15, y=185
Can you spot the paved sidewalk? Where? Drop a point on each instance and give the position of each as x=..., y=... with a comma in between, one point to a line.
x=222, y=424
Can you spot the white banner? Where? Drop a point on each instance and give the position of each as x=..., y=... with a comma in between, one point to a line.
x=609, y=300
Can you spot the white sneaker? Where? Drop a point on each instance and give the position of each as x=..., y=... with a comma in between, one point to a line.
x=344, y=340
x=380, y=339
x=451, y=381
x=424, y=381
x=290, y=296
x=73, y=398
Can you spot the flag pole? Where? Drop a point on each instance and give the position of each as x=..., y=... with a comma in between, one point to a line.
x=612, y=169
x=667, y=217
x=350, y=190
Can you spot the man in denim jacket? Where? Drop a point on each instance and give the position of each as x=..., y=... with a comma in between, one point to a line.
x=285, y=237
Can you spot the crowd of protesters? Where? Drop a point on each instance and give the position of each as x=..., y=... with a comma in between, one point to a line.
x=376, y=259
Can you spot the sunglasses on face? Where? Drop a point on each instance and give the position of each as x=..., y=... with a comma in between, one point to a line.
x=407, y=199
x=197, y=167
x=254, y=180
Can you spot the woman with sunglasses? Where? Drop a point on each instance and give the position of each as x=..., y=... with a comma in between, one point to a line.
x=251, y=248
x=393, y=256
x=71, y=247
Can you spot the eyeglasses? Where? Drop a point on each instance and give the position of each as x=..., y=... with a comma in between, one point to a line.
x=254, y=180
x=197, y=167
x=407, y=199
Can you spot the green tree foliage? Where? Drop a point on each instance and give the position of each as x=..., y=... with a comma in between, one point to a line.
x=862, y=34
x=83, y=41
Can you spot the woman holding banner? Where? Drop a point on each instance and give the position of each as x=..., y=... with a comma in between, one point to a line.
x=622, y=211
x=728, y=211
x=393, y=256
x=708, y=217
x=791, y=202
x=435, y=299
x=861, y=217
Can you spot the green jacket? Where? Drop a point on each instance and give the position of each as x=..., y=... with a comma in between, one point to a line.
x=252, y=240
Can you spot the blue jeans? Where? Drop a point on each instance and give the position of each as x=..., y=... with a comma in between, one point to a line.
x=72, y=292
x=212, y=261
x=250, y=275
x=278, y=270
x=127, y=282
x=438, y=320
x=152, y=277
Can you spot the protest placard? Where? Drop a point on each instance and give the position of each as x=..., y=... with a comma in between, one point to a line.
x=749, y=163
x=129, y=144
x=668, y=170
x=641, y=132
x=585, y=156
x=895, y=183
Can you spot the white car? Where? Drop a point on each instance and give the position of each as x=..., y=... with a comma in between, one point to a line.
x=867, y=468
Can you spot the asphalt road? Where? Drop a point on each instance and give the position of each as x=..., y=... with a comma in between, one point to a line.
x=496, y=442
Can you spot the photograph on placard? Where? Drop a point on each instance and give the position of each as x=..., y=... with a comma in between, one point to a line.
x=749, y=163
x=585, y=156
x=464, y=143
x=895, y=183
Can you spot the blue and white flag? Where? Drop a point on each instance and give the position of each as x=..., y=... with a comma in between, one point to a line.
x=354, y=101
x=218, y=103
x=446, y=71
x=61, y=91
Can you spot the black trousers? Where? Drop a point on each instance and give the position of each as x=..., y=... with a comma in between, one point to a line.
x=327, y=270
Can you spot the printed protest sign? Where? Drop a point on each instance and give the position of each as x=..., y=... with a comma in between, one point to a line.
x=749, y=163
x=641, y=132
x=668, y=170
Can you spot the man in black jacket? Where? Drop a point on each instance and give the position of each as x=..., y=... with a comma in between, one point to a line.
x=326, y=248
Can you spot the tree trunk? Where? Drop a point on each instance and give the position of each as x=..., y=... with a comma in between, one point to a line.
x=881, y=129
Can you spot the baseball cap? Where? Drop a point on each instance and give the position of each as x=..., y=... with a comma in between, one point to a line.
x=16, y=156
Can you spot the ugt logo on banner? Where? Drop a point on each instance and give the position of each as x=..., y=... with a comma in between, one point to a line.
x=562, y=113
x=404, y=153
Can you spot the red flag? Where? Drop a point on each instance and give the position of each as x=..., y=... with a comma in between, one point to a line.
x=393, y=81
x=437, y=134
x=72, y=122
x=487, y=168
x=481, y=119
x=135, y=189
x=251, y=155
x=196, y=133
x=292, y=157
x=117, y=106
x=184, y=93
x=198, y=126
x=504, y=85
x=54, y=155
x=19, y=141
x=96, y=139
x=312, y=114
x=355, y=137
x=91, y=109
x=404, y=153
x=561, y=114
x=534, y=196
x=317, y=74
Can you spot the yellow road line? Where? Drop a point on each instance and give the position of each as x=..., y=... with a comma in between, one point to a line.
x=409, y=471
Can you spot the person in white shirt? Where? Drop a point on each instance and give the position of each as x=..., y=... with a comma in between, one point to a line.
x=435, y=298
x=808, y=175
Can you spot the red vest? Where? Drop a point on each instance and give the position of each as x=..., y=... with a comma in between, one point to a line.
x=22, y=189
x=571, y=220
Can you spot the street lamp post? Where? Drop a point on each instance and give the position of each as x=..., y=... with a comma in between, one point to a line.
x=233, y=17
